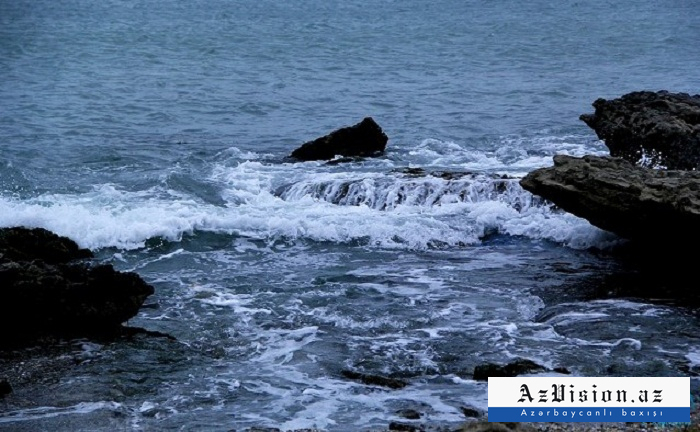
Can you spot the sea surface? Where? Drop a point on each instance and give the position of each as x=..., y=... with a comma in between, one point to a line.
x=155, y=133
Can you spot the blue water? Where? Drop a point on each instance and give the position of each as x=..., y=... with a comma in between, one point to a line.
x=155, y=132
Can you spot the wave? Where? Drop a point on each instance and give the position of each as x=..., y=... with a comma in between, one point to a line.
x=388, y=192
x=377, y=204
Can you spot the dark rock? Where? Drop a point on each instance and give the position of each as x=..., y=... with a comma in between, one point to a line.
x=653, y=129
x=470, y=412
x=518, y=367
x=617, y=196
x=5, y=388
x=562, y=370
x=375, y=379
x=364, y=139
x=410, y=414
x=485, y=426
x=44, y=299
x=24, y=244
x=396, y=426
x=42, y=295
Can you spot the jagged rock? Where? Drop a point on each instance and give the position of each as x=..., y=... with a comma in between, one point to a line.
x=470, y=412
x=617, y=196
x=652, y=129
x=42, y=294
x=375, y=379
x=22, y=244
x=404, y=427
x=364, y=139
x=410, y=414
x=518, y=367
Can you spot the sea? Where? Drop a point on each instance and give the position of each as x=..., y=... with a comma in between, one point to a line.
x=156, y=133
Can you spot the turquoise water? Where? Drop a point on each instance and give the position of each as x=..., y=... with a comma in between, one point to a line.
x=155, y=132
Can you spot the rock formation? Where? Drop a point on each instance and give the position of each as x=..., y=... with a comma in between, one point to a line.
x=46, y=293
x=652, y=129
x=364, y=139
x=615, y=195
x=515, y=368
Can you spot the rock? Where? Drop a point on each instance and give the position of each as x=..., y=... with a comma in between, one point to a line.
x=43, y=295
x=518, y=367
x=485, y=426
x=375, y=379
x=23, y=244
x=396, y=426
x=364, y=139
x=617, y=196
x=652, y=129
x=5, y=388
x=409, y=414
x=470, y=412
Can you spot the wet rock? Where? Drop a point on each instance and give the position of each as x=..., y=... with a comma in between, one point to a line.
x=470, y=412
x=518, y=367
x=374, y=379
x=396, y=426
x=24, y=244
x=5, y=388
x=44, y=295
x=652, y=129
x=484, y=426
x=617, y=196
x=562, y=370
x=365, y=139
x=409, y=414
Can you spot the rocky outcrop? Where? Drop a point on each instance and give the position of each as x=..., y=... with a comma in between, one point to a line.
x=617, y=196
x=652, y=129
x=44, y=292
x=364, y=139
x=515, y=368
x=376, y=380
x=23, y=244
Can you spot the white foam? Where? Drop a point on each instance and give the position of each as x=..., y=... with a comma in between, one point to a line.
x=693, y=357
x=512, y=154
x=395, y=211
x=48, y=412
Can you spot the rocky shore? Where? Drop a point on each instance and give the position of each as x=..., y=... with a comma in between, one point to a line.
x=50, y=290
x=649, y=190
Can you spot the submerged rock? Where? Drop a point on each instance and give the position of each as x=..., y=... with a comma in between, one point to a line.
x=518, y=367
x=365, y=139
x=409, y=414
x=404, y=427
x=470, y=412
x=617, y=196
x=411, y=187
x=652, y=129
x=375, y=379
x=44, y=294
